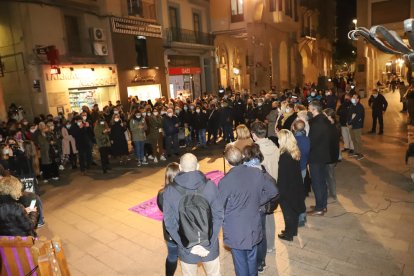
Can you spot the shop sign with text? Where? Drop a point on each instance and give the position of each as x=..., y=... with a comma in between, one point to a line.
x=184, y=71
x=135, y=27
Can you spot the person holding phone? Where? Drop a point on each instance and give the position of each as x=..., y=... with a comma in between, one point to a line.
x=15, y=219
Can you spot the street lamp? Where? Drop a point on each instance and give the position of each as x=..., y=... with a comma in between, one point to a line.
x=355, y=21
x=390, y=42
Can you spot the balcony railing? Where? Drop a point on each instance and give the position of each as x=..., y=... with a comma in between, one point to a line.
x=308, y=32
x=189, y=36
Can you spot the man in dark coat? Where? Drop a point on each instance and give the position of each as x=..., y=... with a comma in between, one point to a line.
x=226, y=122
x=191, y=179
x=356, y=118
x=81, y=132
x=379, y=105
x=243, y=190
x=239, y=107
x=319, y=157
x=170, y=125
x=213, y=124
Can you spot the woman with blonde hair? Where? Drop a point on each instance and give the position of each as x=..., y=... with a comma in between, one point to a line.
x=15, y=219
x=243, y=137
x=290, y=184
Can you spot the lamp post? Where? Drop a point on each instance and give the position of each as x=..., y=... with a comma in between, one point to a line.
x=390, y=42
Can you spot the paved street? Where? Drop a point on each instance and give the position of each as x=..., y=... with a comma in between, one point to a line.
x=368, y=231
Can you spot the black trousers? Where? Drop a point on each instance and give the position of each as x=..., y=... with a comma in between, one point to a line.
x=104, y=153
x=212, y=132
x=377, y=116
x=291, y=218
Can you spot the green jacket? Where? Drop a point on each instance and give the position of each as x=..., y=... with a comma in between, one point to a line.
x=137, y=128
x=102, y=139
x=44, y=146
x=155, y=123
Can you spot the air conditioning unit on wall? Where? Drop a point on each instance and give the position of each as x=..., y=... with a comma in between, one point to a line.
x=97, y=34
x=100, y=49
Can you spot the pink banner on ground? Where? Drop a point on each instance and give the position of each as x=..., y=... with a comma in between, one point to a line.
x=150, y=209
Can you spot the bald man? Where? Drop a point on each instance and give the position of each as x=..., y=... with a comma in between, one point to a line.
x=191, y=180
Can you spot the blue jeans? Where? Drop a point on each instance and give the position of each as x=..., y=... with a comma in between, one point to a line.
x=262, y=246
x=172, y=258
x=245, y=261
x=318, y=173
x=139, y=150
x=202, y=137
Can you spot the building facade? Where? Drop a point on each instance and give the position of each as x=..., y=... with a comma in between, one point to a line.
x=56, y=56
x=189, y=50
x=371, y=64
x=270, y=44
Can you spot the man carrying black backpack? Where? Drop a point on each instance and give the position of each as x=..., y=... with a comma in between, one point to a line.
x=193, y=215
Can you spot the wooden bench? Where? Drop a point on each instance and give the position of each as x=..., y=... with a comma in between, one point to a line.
x=29, y=256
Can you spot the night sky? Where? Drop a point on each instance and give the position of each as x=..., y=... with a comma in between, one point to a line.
x=345, y=12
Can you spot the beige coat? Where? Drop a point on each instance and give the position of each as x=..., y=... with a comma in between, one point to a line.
x=67, y=141
x=271, y=156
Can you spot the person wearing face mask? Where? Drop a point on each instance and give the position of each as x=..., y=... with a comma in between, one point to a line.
x=119, y=143
x=379, y=105
x=261, y=111
x=156, y=136
x=49, y=165
x=250, y=113
x=226, y=122
x=200, y=125
x=314, y=96
x=271, y=119
x=79, y=130
x=69, y=149
x=319, y=157
x=95, y=114
x=289, y=116
x=331, y=99
x=170, y=127
x=103, y=141
x=213, y=124
x=343, y=112
x=356, y=117
x=138, y=126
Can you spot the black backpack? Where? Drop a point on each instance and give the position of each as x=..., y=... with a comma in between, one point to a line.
x=195, y=220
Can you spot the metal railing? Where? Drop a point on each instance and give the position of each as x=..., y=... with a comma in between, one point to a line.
x=189, y=36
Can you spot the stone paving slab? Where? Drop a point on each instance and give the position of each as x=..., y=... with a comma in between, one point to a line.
x=101, y=237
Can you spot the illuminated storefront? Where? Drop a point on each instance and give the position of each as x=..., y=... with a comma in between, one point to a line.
x=185, y=82
x=79, y=85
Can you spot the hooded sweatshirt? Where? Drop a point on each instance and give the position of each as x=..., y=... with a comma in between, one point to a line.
x=192, y=181
x=271, y=155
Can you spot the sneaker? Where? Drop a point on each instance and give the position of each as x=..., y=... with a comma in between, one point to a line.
x=144, y=162
x=261, y=268
x=61, y=167
x=55, y=178
x=271, y=250
x=40, y=225
x=155, y=160
x=360, y=157
x=150, y=157
x=162, y=158
x=139, y=164
x=45, y=181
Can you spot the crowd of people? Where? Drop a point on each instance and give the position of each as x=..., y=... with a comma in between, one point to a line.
x=282, y=141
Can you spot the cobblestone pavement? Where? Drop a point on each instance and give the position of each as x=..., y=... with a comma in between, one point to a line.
x=368, y=231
